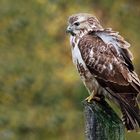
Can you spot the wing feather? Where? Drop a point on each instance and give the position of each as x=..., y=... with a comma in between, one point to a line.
x=111, y=64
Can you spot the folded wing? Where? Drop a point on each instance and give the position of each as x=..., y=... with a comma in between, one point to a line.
x=107, y=56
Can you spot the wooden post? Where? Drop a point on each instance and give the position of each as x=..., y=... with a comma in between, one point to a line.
x=102, y=123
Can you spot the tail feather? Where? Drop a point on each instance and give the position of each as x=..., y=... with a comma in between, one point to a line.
x=131, y=121
x=129, y=108
x=131, y=116
x=136, y=81
x=126, y=117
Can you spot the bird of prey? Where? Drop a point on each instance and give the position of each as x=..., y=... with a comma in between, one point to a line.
x=104, y=63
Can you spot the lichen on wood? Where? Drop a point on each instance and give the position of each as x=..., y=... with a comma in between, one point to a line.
x=101, y=122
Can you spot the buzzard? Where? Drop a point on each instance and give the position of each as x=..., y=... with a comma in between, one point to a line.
x=104, y=63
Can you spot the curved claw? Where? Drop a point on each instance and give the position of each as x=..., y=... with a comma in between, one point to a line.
x=92, y=97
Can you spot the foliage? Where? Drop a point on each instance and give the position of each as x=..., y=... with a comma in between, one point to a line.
x=40, y=89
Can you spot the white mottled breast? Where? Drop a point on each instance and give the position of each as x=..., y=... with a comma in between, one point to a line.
x=87, y=78
x=76, y=54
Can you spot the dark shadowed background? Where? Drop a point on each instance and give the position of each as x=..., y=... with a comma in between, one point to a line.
x=40, y=90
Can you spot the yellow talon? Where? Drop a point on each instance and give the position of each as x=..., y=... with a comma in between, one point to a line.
x=89, y=98
x=92, y=97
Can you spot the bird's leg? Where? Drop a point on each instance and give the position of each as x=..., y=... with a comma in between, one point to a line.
x=92, y=96
x=93, y=89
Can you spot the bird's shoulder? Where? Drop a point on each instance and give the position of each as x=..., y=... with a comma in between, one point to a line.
x=90, y=39
x=108, y=43
x=93, y=43
x=105, y=59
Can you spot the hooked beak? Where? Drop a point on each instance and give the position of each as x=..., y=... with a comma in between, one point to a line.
x=70, y=30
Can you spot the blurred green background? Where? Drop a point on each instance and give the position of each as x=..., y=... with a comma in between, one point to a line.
x=40, y=90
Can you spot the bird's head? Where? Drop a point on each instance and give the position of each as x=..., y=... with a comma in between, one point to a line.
x=82, y=23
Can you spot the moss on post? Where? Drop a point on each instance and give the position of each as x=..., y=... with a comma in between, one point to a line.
x=102, y=123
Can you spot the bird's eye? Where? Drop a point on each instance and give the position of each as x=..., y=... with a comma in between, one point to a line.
x=77, y=23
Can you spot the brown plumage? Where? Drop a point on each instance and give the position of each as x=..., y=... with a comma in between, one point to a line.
x=104, y=62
